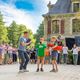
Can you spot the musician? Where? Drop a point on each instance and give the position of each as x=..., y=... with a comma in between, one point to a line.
x=54, y=54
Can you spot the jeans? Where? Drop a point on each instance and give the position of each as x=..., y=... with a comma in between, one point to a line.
x=75, y=58
x=23, y=56
x=65, y=56
x=14, y=57
x=59, y=58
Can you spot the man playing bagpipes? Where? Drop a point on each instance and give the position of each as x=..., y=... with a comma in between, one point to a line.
x=54, y=48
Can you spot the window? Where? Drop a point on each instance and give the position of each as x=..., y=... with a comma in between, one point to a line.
x=76, y=7
x=55, y=26
x=76, y=25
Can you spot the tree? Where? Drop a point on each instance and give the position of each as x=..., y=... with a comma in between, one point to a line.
x=21, y=29
x=3, y=30
x=40, y=32
x=13, y=33
x=31, y=36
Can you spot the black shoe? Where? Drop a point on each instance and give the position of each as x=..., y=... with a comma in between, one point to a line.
x=42, y=70
x=25, y=70
x=37, y=70
x=20, y=71
x=53, y=70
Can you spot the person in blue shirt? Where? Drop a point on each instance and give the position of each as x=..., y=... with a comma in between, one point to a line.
x=23, y=56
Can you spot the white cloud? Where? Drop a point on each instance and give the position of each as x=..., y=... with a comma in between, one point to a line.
x=21, y=17
x=30, y=19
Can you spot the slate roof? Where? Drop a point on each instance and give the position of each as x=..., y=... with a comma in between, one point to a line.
x=61, y=6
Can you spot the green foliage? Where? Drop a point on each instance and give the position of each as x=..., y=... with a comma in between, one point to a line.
x=33, y=40
x=21, y=29
x=40, y=32
x=3, y=31
x=12, y=33
x=15, y=31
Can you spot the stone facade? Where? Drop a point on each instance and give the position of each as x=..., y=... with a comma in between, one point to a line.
x=57, y=22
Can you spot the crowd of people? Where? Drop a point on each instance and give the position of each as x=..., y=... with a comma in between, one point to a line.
x=52, y=52
x=8, y=54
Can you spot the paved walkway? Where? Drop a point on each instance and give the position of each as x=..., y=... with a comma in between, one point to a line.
x=66, y=72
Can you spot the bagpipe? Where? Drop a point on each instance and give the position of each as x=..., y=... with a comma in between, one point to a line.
x=28, y=40
x=58, y=48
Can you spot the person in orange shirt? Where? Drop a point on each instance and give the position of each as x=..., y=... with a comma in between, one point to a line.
x=47, y=55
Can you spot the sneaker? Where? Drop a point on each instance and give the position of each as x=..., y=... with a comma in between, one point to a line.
x=53, y=70
x=37, y=70
x=25, y=70
x=20, y=71
x=42, y=70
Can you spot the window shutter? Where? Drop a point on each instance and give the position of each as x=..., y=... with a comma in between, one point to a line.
x=62, y=26
x=49, y=27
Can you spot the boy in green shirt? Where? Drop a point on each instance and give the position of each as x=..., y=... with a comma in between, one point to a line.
x=40, y=55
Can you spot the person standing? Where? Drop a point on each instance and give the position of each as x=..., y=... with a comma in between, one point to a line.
x=47, y=56
x=60, y=43
x=65, y=53
x=10, y=49
x=54, y=54
x=40, y=55
x=1, y=54
x=75, y=50
x=23, y=56
x=14, y=53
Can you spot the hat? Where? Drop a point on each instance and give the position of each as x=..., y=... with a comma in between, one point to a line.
x=53, y=37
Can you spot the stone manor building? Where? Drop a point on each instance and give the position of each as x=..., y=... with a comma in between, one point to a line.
x=62, y=18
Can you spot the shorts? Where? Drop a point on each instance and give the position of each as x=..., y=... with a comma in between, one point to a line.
x=54, y=55
x=40, y=57
x=47, y=57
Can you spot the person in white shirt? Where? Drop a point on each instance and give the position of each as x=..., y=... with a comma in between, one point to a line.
x=75, y=50
x=65, y=53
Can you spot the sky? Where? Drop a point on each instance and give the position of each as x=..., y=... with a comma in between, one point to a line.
x=27, y=12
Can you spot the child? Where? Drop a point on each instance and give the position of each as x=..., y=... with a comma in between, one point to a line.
x=54, y=54
x=75, y=50
x=32, y=56
x=65, y=53
x=47, y=55
x=40, y=56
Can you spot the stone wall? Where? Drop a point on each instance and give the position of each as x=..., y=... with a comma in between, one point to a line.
x=68, y=26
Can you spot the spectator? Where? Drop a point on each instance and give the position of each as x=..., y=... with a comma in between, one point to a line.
x=65, y=53
x=14, y=53
x=32, y=56
x=1, y=54
x=47, y=55
x=10, y=49
x=75, y=50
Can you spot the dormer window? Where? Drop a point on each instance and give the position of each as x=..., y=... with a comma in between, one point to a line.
x=76, y=7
